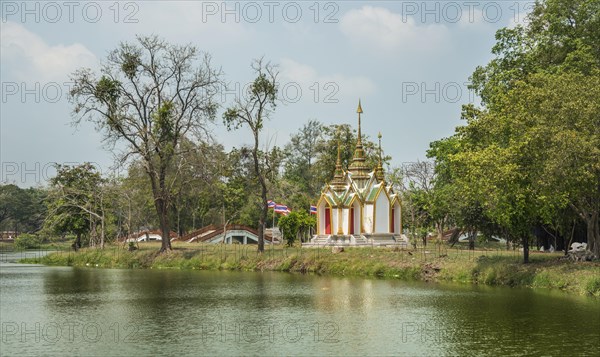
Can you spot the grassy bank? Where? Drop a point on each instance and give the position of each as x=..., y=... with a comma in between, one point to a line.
x=490, y=267
x=12, y=247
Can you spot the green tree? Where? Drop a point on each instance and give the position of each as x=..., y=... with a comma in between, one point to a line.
x=21, y=210
x=532, y=149
x=12, y=202
x=415, y=181
x=301, y=155
x=561, y=35
x=201, y=166
x=136, y=200
x=77, y=203
x=455, y=199
x=557, y=117
x=296, y=225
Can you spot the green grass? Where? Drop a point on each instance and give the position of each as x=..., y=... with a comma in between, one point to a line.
x=11, y=247
x=489, y=267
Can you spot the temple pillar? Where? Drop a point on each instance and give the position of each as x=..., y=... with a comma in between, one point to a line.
x=340, y=230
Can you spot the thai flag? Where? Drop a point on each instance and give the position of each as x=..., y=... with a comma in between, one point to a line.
x=271, y=204
x=313, y=209
x=283, y=209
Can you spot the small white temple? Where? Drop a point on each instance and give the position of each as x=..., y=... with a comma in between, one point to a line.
x=358, y=207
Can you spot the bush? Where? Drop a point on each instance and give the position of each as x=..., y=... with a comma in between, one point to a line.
x=28, y=241
x=592, y=287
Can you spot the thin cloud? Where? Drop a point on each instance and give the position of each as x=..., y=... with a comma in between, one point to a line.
x=204, y=22
x=381, y=29
x=335, y=85
x=30, y=59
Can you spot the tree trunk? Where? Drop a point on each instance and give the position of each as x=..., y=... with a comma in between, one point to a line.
x=592, y=221
x=163, y=216
x=593, y=234
x=93, y=232
x=77, y=243
x=525, y=249
x=166, y=231
x=263, y=194
x=102, y=225
x=472, y=236
x=261, y=237
x=262, y=220
x=161, y=203
x=454, y=237
x=102, y=233
x=568, y=245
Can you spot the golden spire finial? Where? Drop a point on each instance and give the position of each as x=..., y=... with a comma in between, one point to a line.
x=358, y=168
x=379, y=137
x=339, y=158
x=379, y=169
x=359, y=111
x=338, y=182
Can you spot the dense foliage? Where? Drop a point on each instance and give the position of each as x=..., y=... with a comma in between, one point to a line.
x=214, y=186
x=530, y=155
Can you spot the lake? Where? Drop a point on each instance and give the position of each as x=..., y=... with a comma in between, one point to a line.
x=60, y=311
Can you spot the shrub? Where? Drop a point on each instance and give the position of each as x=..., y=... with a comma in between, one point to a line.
x=592, y=287
x=28, y=241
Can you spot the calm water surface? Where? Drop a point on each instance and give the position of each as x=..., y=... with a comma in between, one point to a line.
x=58, y=311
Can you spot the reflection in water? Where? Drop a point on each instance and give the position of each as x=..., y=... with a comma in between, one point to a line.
x=66, y=311
x=343, y=294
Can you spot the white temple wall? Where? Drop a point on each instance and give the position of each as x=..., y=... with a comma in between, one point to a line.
x=368, y=218
x=335, y=223
x=345, y=220
x=356, y=218
x=321, y=218
x=397, y=218
x=383, y=214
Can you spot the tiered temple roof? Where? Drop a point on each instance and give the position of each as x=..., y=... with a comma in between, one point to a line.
x=358, y=168
x=359, y=181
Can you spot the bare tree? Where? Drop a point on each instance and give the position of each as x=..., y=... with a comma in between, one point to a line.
x=150, y=95
x=416, y=181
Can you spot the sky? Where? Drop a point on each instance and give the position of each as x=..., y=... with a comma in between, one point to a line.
x=408, y=62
